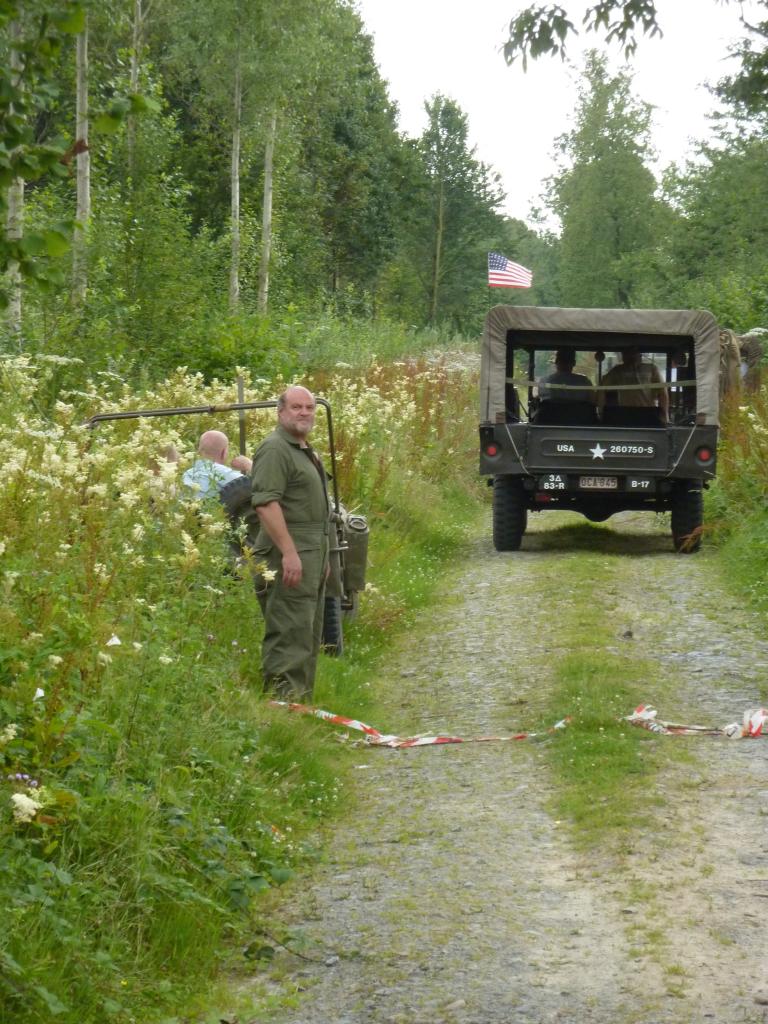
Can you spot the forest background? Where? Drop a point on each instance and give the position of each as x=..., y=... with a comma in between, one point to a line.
x=221, y=186
x=245, y=186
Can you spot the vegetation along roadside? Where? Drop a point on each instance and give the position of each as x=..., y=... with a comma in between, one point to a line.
x=150, y=796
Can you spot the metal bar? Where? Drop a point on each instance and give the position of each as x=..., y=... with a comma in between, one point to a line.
x=192, y=410
x=241, y=412
x=105, y=417
x=332, y=447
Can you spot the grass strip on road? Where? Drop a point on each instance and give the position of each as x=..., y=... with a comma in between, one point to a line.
x=604, y=768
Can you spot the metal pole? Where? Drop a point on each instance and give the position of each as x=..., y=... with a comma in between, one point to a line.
x=241, y=412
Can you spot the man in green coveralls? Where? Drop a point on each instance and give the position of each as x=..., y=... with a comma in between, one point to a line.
x=290, y=499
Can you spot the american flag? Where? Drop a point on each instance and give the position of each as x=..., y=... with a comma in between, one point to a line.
x=503, y=273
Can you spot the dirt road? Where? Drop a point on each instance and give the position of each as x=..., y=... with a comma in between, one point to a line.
x=453, y=895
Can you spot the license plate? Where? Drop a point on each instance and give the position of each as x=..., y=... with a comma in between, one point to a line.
x=599, y=483
x=552, y=482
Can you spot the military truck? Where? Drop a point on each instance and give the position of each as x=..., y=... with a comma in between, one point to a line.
x=616, y=448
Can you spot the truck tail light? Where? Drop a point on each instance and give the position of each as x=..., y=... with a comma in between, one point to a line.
x=491, y=449
x=704, y=454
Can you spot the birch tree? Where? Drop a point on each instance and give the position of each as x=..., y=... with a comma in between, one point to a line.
x=34, y=38
x=249, y=60
x=234, y=186
x=266, y=215
x=15, y=201
x=141, y=11
x=83, y=170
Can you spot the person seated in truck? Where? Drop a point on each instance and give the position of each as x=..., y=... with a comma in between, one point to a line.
x=578, y=386
x=682, y=399
x=633, y=371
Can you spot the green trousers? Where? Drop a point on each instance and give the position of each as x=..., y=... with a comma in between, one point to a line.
x=293, y=619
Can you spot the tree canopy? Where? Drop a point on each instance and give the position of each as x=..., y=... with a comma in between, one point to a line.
x=604, y=197
x=247, y=177
x=540, y=30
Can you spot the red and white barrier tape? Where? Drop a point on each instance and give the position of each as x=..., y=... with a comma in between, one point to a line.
x=753, y=724
x=379, y=739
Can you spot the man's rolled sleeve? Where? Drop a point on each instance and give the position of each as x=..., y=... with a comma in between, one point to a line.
x=269, y=476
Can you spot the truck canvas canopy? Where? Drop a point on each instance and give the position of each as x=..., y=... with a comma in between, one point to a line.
x=519, y=327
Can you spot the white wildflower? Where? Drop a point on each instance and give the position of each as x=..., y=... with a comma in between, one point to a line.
x=24, y=807
x=268, y=574
x=59, y=360
x=165, y=660
x=103, y=658
x=54, y=660
x=191, y=555
x=39, y=694
x=129, y=499
x=10, y=581
x=10, y=732
x=114, y=641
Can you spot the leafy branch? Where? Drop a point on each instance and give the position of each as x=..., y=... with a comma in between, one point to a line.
x=540, y=31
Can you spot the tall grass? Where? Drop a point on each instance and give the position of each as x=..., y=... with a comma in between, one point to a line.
x=328, y=341
x=737, y=503
x=149, y=797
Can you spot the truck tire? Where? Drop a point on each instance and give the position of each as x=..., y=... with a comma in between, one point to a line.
x=236, y=497
x=333, y=634
x=687, y=516
x=510, y=515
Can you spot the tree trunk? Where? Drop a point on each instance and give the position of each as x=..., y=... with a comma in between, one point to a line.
x=138, y=31
x=14, y=224
x=436, y=263
x=234, y=269
x=14, y=230
x=266, y=218
x=83, y=214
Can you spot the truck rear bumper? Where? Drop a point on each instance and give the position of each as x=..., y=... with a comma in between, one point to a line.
x=637, y=459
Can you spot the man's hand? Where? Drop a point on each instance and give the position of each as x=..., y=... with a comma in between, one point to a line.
x=272, y=519
x=291, y=569
x=242, y=463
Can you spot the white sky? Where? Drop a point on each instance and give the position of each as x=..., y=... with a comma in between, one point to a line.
x=453, y=47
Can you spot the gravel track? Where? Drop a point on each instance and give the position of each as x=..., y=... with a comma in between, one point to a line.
x=452, y=895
